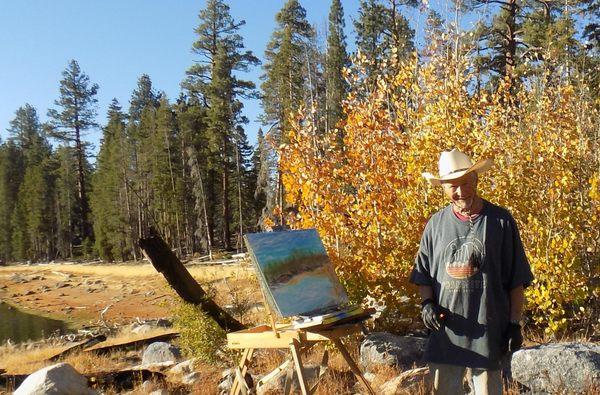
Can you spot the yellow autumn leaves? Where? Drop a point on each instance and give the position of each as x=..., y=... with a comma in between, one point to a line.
x=370, y=204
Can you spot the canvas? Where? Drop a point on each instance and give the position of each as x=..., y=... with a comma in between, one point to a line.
x=295, y=272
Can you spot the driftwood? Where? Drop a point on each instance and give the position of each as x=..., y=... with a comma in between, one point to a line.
x=81, y=345
x=104, y=348
x=166, y=262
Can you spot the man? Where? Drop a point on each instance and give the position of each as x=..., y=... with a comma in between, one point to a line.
x=471, y=270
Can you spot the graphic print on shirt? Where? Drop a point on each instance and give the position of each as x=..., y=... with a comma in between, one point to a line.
x=464, y=257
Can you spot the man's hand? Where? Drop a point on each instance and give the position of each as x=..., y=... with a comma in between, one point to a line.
x=431, y=314
x=514, y=338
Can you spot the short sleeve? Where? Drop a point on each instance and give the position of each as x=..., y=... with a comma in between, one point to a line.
x=519, y=270
x=421, y=273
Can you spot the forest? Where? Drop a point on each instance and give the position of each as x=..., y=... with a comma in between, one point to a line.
x=346, y=136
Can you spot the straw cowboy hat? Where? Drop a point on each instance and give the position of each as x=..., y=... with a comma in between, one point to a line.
x=455, y=164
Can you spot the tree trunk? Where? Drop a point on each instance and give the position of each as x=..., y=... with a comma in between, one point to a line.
x=167, y=263
x=225, y=192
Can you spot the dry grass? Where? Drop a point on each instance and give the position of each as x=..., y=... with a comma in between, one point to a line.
x=20, y=360
x=201, y=273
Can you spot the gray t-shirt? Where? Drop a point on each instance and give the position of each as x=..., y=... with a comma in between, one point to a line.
x=471, y=267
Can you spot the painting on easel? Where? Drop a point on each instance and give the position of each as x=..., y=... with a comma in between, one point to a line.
x=295, y=272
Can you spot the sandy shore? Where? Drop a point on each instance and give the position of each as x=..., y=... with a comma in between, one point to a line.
x=79, y=292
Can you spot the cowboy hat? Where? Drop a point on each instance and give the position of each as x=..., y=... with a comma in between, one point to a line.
x=455, y=164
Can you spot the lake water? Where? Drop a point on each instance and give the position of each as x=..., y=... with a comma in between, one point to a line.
x=20, y=326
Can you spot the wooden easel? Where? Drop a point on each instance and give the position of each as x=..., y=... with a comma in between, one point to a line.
x=297, y=341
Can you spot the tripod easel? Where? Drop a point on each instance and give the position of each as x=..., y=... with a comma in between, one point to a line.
x=297, y=341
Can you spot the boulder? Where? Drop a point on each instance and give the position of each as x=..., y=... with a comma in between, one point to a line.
x=382, y=348
x=277, y=384
x=184, y=367
x=558, y=368
x=160, y=352
x=408, y=382
x=57, y=379
x=191, y=378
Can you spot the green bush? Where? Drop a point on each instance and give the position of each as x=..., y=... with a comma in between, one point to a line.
x=200, y=336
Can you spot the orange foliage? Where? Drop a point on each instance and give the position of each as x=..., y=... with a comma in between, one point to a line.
x=370, y=203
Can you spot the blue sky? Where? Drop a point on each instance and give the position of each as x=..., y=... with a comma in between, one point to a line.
x=115, y=41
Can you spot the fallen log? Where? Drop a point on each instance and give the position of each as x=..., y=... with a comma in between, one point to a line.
x=105, y=347
x=156, y=250
x=81, y=345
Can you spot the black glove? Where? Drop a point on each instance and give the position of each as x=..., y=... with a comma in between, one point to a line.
x=431, y=314
x=513, y=337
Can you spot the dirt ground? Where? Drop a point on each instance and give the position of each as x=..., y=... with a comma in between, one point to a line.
x=78, y=293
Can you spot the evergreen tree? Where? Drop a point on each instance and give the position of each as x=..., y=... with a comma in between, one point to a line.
x=65, y=199
x=337, y=59
x=165, y=182
x=217, y=27
x=11, y=176
x=220, y=127
x=143, y=96
x=285, y=78
x=113, y=233
x=382, y=32
x=213, y=81
x=191, y=120
x=143, y=104
x=76, y=113
x=34, y=217
x=283, y=81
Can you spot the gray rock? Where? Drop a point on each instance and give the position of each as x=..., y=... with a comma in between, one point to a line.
x=408, y=382
x=191, y=378
x=277, y=383
x=558, y=368
x=382, y=348
x=57, y=379
x=184, y=367
x=160, y=352
x=161, y=391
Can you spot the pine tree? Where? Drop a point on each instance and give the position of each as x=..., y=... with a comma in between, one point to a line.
x=337, y=59
x=165, y=175
x=217, y=27
x=191, y=120
x=112, y=230
x=382, y=32
x=213, y=81
x=11, y=176
x=284, y=79
x=143, y=104
x=284, y=86
x=65, y=199
x=143, y=96
x=34, y=202
x=76, y=113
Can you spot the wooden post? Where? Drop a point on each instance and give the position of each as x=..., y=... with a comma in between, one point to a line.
x=355, y=369
x=295, y=348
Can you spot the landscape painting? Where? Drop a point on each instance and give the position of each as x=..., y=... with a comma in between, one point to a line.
x=295, y=272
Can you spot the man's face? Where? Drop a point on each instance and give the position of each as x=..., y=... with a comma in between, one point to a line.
x=462, y=192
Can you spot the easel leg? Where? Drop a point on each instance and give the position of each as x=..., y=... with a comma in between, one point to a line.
x=242, y=368
x=355, y=369
x=295, y=348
